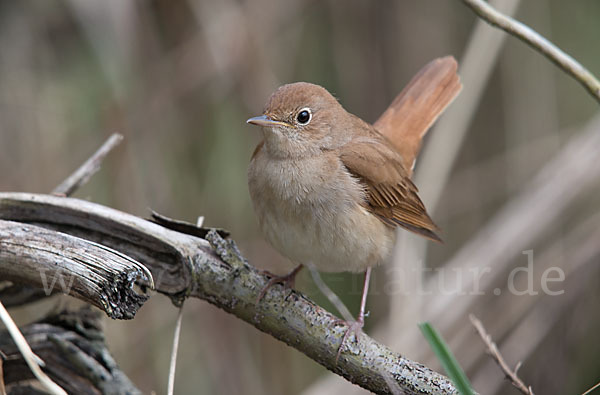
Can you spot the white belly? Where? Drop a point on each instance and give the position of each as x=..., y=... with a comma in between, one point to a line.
x=314, y=219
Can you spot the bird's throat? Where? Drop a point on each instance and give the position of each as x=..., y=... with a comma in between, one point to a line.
x=282, y=145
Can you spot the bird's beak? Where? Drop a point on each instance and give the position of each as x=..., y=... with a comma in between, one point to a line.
x=264, y=120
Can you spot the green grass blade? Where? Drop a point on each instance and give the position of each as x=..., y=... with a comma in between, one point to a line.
x=451, y=366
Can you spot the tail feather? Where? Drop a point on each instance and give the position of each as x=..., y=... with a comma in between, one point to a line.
x=416, y=108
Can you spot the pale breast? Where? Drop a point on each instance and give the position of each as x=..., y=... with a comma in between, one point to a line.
x=309, y=210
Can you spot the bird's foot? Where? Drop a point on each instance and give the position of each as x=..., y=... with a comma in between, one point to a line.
x=354, y=328
x=287, y=280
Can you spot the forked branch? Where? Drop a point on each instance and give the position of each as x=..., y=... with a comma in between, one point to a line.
x=492, y=349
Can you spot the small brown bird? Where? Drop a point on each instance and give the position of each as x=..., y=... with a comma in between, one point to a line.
x=330, y=189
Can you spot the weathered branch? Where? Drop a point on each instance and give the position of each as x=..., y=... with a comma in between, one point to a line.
x=72, y=344
x=18, y=294
x=537, y=42
x=48, y=259
x=212, y=269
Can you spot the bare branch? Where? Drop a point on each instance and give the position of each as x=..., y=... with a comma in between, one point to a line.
x=495, y=353
x=86, y=170
x=537, y=42
x=213, y=269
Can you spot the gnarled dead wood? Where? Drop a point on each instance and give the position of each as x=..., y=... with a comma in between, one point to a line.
x=72, y=345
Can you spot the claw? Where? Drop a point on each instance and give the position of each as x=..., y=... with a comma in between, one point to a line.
x=354, y=327
x=288, y=281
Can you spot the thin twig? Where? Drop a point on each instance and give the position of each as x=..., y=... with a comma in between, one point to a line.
x=173, y=364
x=86, y=170
x=329, y=294
x=495, y=353
x=537, y=42
x=591, y=389
x=33, y=361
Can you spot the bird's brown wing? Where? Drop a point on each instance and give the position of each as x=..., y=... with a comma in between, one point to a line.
x=390, y=194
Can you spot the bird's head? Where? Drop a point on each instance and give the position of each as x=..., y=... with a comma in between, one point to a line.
x=301, y=119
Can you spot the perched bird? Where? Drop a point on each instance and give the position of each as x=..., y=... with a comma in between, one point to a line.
x=330, y=189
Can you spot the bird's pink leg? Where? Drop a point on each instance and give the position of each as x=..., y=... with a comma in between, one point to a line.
x=356, y=326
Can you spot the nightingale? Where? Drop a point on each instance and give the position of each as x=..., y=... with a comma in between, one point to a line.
x=330, y=189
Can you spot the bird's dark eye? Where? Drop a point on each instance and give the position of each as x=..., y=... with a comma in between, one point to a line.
x=304, y=116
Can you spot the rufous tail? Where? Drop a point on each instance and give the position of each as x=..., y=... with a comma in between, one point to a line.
x=416, y=108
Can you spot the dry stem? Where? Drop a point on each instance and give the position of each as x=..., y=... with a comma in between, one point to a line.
x=495, y=354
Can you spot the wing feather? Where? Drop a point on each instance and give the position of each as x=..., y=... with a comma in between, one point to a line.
x=390, y=194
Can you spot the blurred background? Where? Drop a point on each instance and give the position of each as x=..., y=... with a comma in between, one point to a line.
x=511, y=167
